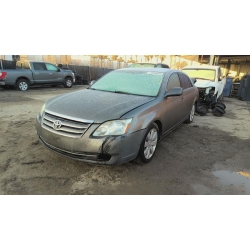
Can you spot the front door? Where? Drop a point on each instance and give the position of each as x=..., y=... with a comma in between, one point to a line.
x=55, y=74
x=173, y=105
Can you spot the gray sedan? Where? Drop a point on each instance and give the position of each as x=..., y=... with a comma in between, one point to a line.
x=121, y=116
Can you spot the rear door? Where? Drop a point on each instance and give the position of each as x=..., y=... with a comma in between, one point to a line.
x=188, y=94
x=40, y=73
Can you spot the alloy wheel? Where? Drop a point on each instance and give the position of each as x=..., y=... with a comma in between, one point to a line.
x=150, y=143
x=23, y=86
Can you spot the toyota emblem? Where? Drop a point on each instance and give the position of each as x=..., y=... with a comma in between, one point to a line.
x=57, y=125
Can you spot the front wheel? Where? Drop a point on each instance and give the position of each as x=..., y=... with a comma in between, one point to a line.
x=22, y=85
x=68, y=82
x=149, y=143
x=191, y=115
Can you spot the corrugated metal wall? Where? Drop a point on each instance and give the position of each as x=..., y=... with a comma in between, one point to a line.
x=236, y=69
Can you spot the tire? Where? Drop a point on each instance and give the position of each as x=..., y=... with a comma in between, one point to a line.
x=68, y=82
x=220, y=104
x=217, y=111
x=149, y=143
x=201, y=110
x=22, y=85
x=191, y=115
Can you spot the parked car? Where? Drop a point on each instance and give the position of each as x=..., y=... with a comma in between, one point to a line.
x=35, y=73
x=119, y=117
x=78, y=78
x=209, y=79
x=148, y=65
x=210, y=82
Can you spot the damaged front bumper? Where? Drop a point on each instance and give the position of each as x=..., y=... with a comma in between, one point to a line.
x=207, y=94
x=110, y=150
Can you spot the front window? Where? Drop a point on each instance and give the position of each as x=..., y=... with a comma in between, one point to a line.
x=135, y=83
x=206, y=74
x=51, y=67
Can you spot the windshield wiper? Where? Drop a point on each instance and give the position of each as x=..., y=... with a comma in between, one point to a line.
x=123, y=92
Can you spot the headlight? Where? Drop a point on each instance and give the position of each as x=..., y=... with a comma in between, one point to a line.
x=42, y=110
x=117, y=127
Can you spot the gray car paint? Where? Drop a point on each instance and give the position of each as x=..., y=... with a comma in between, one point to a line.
x=35, y=76
x=96, y=105
x=100, y=106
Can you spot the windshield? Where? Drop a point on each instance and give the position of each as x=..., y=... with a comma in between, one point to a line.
x=207, y=74
x=134, y=83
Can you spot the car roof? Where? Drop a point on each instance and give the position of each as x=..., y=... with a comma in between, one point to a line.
x=142, y=63
x=161, y=70
x=34, y=61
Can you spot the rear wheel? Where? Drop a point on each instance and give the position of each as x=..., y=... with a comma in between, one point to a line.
x=68, y=82
x=149, y=143
x=22, y=85
x=191, y=115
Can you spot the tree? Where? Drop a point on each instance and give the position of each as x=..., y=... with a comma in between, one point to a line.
x=162, y=57
x=102, y=56
x=181, y=65
x=114, y=58
x=147, y=57
x=120, y=59
x=131, y=60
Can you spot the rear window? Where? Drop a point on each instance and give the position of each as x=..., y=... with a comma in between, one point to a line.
x=39, y=66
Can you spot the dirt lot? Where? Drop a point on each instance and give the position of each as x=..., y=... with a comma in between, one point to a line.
x=209, y=156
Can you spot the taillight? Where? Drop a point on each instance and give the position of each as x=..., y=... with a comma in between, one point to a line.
x=3, y=75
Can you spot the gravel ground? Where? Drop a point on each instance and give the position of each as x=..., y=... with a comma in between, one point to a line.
x=209, y=156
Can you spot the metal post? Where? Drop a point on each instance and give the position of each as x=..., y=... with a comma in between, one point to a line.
x=211, y=60
x=201, y=59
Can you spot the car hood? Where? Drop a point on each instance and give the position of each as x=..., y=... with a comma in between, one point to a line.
x=94, y=105
x=200, y=83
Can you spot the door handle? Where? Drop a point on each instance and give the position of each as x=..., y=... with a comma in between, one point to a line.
x=50, y=73
x=182, y=99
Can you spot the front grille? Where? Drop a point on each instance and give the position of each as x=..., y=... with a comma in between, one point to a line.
x=68, y=126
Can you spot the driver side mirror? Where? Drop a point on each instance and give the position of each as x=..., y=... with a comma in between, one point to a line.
x=58, y=70
x=177, y=91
